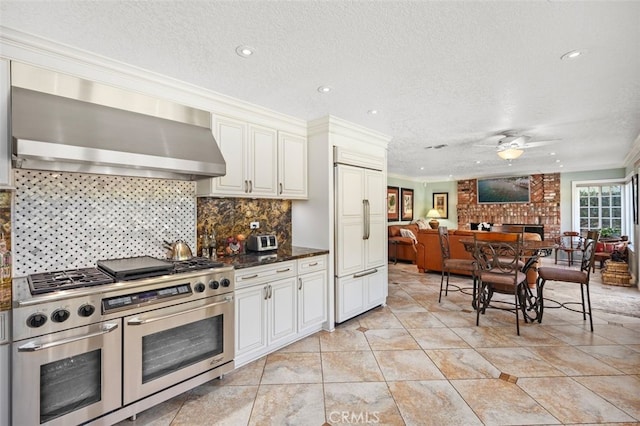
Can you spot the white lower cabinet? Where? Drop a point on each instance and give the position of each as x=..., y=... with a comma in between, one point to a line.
x=273, y=312
x=358, y=293
x=312, y=294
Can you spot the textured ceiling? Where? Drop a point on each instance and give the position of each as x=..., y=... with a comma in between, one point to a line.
x=442, y=72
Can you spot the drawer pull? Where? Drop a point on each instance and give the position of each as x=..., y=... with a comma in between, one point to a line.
x=250, y=277
x=365, y=273
x=283, y=270
x=313, y=264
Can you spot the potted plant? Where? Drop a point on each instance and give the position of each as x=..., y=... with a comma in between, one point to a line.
x=609, y=232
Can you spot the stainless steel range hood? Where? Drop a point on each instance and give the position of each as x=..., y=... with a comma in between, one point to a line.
x=64, y=123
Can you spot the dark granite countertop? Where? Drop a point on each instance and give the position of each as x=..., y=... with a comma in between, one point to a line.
x=273, y=256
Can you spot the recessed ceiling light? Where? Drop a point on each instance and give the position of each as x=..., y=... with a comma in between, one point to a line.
x=572, y=55
x=477, y=161
x=324, y=89
x=422, y=168
x=557, y=161
x=244, y=51
x=552, y=153
x=372, y=112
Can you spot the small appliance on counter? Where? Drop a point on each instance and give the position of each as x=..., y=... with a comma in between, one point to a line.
x=262, y=242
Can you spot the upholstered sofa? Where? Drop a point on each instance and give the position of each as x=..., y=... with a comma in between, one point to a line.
x=429, y=257
x=402, y=247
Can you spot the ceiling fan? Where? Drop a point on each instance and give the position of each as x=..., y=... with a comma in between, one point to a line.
x=512, y=145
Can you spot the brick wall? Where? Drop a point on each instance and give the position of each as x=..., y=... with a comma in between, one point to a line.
x=543, y=208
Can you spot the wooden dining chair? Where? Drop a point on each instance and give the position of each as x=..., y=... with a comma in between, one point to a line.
x=581, y=277
x=449, y=264
x=570, y=242
x=499, y=271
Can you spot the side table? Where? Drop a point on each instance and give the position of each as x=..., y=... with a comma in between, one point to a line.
x=395, y=251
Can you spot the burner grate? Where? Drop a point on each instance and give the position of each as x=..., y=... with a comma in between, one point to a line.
x=194, y=264
x=63, y=280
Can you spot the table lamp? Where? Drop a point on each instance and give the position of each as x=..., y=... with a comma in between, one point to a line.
x=433, y=214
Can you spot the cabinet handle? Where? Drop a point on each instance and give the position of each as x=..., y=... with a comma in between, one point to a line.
x=313, y=264
x=250, y=186
x=300, y=284
x=283, y=270
x=270, y=291
x=142, y=321
x=365, y=273
x=246, y=186
x=249, y=277
x=280, y=187
x=266, y=292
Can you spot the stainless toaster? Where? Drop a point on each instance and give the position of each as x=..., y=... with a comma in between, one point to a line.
x=262, y=242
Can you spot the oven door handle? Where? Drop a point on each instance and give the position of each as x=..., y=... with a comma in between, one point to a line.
x=35, y=346
x=140, y=321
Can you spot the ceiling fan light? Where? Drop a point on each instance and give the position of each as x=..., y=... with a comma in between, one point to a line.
x=510, y=153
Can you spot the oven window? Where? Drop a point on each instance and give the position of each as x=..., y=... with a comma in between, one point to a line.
x=170, y=350
x=69, y=384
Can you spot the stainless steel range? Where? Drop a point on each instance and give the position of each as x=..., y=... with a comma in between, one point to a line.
x=101, y=344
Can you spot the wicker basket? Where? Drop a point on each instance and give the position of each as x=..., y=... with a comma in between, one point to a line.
x=616, y=273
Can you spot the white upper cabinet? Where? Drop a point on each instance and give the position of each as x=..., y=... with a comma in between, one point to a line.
x=292, y=166
x=261, y=162
x=261, y=158
x=5, y=137
x=231, y=136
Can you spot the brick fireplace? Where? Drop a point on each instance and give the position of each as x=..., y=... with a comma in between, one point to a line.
x=542, y=209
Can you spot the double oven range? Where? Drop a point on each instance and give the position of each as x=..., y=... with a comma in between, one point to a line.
x=97, y=345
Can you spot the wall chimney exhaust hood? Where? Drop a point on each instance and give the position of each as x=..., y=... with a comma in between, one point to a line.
x=64, y=123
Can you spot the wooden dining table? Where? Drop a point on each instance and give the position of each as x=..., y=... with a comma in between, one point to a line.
x=532, y=251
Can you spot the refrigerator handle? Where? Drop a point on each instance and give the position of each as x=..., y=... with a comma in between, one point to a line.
x=367, y=224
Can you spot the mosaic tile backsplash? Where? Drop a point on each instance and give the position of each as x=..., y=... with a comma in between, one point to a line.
x=71, y=220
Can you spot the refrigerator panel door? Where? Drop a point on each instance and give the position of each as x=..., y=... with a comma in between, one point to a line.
x=350, y=297
x=350, y=245
x=376, y=244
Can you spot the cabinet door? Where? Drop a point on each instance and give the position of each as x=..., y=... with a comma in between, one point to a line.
x=292, y=166
x=5, y=157
x=350, y=297
x=251, y=319
x=376, y=244
x=231, y=137
x=312, y=299
x=261, y=161
x=349, y=220
x=377, y=288
x=282, y=311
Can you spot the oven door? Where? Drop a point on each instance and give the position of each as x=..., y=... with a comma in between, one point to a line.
x=166, y=346
x=67, y=377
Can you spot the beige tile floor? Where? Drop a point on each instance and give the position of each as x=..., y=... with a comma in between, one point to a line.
x=417, y=361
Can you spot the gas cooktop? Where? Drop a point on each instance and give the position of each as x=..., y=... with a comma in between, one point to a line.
x=115, y=270
x=48, y=282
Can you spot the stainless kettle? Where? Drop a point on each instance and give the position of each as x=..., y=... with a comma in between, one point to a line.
x=178, y=250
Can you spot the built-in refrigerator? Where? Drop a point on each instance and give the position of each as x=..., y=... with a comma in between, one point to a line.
x=361, y=278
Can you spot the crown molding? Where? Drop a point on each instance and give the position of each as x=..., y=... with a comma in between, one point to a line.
x=33, y=50
x=338, y=126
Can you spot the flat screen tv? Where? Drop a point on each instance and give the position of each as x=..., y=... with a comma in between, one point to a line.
x=503, y=190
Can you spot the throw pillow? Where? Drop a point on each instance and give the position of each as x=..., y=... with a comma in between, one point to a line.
x=422, y=224
x=408, y=234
